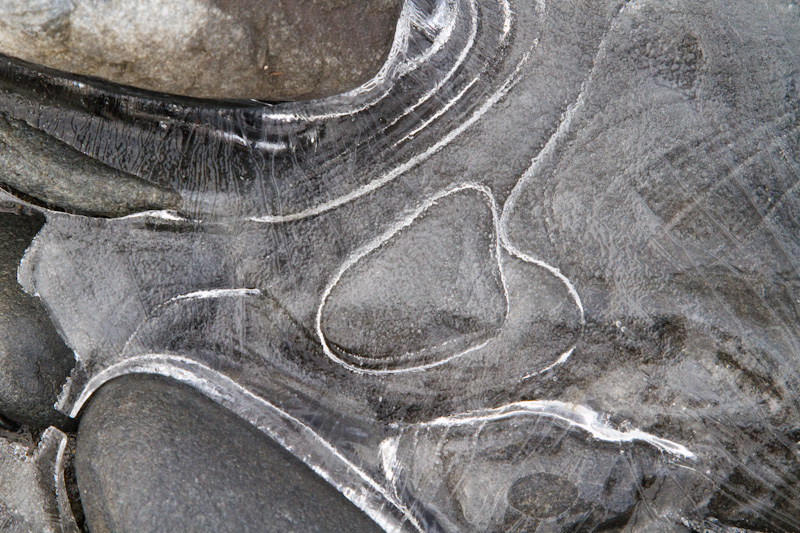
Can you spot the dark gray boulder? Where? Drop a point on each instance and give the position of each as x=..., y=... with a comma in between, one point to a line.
x=155, y=455
x=34, y=361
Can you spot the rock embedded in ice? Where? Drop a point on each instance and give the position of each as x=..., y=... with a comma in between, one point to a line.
x=34, y=361
x=422, y=295
x=33, y=493
x=154, y=455
x=35, y=164
x=207, y=48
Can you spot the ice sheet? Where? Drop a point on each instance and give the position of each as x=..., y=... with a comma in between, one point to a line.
x=541, y=272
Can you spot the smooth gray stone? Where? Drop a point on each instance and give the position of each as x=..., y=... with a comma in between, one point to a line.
x=34, y=361
x=284, y=49
x=37, y=165
x=155, y=455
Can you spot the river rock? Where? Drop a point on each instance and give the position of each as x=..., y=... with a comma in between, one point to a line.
x=35, y=164
x=207, y=48
x=34, y=360
x=155, y=455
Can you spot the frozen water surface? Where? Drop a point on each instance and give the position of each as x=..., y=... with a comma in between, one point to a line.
x=539, y=274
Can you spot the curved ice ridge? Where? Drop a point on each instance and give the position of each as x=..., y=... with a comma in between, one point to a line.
x=383, y=239
x=298, y=438
x=439, y=24
x=416, y=160
x=66, y=516
x=206, y=294
x=573, y=414
x=500, y=240
x=214, y=293
x=162, y=214
x=562, y=130
x=547, y=151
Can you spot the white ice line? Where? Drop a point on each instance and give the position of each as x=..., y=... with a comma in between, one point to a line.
x=438, y=114
x=214, y=293
x=162, y=214
x=388, y=452
x=546, y=152
x=541, y=8
x=560, y=361
x=549, y=148
x=66, y=516
x=563, y=127
x=59, y=465
x=506, y=7
x=461, y=58
x=173, y=366
x=460, y=95
x=399, y=46
x=196, y=295
x=459, y=61
x=265, y=146
x=362, y=252
x=411, y=163
x=444, y=19
x=393, y=66
x=553, y=270
x=575, y=415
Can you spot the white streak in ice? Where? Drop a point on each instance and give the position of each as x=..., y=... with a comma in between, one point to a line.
x=574, y=415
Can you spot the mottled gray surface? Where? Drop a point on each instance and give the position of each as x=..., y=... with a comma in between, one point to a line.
x=34, y=360
x=155, y=455
x=556, y=249
x=543, y=478
x=426, y=291
x=60, y=176
x=282, y=49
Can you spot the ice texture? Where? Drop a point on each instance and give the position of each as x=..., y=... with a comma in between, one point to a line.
x=33, y=491
x=540, y=273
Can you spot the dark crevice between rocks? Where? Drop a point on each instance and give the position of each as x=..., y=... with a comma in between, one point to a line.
x=8, y=424
x=33, y=201
x=71, y=481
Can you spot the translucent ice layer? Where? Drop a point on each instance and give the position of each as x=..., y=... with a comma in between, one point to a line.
x=540, y=273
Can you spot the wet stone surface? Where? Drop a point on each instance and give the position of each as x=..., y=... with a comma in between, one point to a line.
x=155, y=455
x=35, y=361
x=207, y=48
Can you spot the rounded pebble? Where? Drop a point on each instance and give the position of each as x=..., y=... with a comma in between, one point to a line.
x=156, y=455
